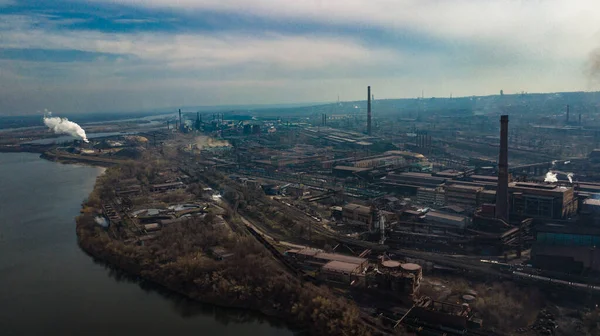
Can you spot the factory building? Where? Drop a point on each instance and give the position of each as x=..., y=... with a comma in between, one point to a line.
x=316, y=259
x=542, y=200
x=343, y=273
x=167, y=186
x=446, y=219
x=347, y=171
x=567, y=248
x=357, y=214
x=416, y=179
x=410, y=182
x=465, y=196
x=388, y=160
x=399, y=280
x=403, y=280
x=487, y=197
x=431, y=196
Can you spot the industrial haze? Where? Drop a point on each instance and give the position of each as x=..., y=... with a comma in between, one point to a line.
x=345, y=167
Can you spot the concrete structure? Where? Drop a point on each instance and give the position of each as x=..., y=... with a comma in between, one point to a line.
x=435, y=217
x=487, y=197
x=368, y=110
x=358, y=214
x=591, y=206
x=314, y=258
x=347, y=171
x=415, y=179
x=547, y=201
x=463, y=195
x=431, y=196
x=341, y=272
x=502, y=190
x=167, y=186
x=402, y=280
x=566, y=248
x=129, y=190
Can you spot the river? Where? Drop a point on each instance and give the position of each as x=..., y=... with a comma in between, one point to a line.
x=48, y=286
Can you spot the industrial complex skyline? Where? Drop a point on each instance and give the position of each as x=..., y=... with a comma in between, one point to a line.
x=84, y=56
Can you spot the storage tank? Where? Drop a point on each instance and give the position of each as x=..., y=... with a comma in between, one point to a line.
x=413, y=269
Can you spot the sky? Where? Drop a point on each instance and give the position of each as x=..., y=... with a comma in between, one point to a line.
x=129, y=55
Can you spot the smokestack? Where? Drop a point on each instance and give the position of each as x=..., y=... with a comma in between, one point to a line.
x=369, y=110
x=502, y=190
x=579, y=118
x=567, y=113
x=180, y=124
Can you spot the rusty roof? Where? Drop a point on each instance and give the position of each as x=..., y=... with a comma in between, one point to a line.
x=340, y=266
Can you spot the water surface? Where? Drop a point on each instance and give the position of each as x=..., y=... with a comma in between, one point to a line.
x=48, y=286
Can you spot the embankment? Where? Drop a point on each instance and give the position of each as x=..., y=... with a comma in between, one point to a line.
x=251, y=279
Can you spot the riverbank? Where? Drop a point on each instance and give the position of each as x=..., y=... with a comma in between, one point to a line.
x=179, y=260
x=73, y=158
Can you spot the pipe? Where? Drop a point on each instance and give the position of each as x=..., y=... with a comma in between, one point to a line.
x=502, y=190
x=369, y=110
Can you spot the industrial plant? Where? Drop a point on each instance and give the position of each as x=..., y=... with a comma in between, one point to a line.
x=378, y=200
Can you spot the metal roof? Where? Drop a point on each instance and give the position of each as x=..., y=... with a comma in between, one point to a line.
x=340, y=266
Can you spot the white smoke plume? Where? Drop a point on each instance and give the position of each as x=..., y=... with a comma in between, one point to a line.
x=567, y=162
x=570, y=177
x=64, y=126
x=550, y=177
x=208, y=142
x=101, y=221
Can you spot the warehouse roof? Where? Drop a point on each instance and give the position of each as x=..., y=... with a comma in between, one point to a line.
x=443, y=215
x=484, y=177
x=340, y=266
x=357, y=207
x=164, y=185
x=465, y=187
x=539, y=187
x=318, y=254
x=351, y=169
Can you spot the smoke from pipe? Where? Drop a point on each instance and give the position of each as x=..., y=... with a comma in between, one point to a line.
x=101, y=221
x=64, y=126
x=570, y=177
x=550, y=177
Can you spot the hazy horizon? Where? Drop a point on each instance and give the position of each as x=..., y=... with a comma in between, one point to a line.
x=78, y=56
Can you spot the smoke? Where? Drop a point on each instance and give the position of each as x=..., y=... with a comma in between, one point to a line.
x=64, y=126
x=567, y=162
x=570, y=177
x=208, y=142
x=101, y=221
x=593, y=64
x=550, y=177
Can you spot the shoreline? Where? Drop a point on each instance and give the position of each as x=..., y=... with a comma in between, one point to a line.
x=138, y=278
x=234, y=283
x=130, y=270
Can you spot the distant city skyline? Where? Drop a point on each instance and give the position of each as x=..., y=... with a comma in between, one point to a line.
x=124, y=55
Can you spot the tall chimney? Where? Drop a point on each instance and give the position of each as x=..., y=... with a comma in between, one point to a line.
x=502, y=190
x=180, y=124
x=579, y=118
x=567, y=113
x=369, y=110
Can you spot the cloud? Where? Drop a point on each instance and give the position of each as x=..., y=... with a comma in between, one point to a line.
x=547, y=27
x=261, y=51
